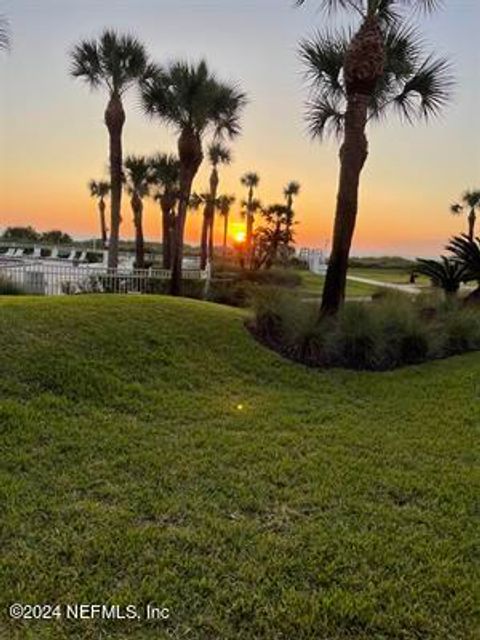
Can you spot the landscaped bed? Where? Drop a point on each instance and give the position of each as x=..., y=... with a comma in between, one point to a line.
x=153, y=452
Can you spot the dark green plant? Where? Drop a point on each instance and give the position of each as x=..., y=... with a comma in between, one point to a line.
x=446, y=273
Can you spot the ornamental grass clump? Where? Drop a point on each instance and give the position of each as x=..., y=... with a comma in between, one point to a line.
x=393, y=331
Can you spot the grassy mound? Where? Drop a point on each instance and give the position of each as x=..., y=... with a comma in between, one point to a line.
x=153, y=452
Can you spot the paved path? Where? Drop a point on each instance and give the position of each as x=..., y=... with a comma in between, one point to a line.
x=406, y=288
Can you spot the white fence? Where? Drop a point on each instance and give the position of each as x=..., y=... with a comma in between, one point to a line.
x=41, y=279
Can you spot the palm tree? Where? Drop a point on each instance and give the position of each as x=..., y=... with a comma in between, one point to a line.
x=100, y=190
x=358, y=79
x=224, y=204
x=217, y=154
x=138, y=178
x=290, y=192
x=113, y=62
x=251, y=180
x=4, y=34
x=471, y=201
x=190, y=98
x=448, y=274
x=467, y=252
x=165, y=176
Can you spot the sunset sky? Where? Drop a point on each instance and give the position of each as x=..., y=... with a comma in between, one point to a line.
x=53, y=140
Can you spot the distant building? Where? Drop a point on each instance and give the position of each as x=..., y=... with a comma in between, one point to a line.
x=315, y=259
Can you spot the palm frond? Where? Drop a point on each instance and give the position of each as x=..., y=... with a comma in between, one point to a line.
x=323, y=56
x=324, y=117
x=446, y=273
x=5, y=38
x=138, y=175
x=219, y=154
x=467, y=252
x=427, y=91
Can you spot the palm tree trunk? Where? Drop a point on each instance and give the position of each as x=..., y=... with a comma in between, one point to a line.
x=204, y=238
x=115, y=119
x=103, y=224
x=137, y=208
x=353, y=154
x=166, y=239
x=471, y=224
x=225, y=235
x=191, y=156
x=211, y=235
x=177, y=258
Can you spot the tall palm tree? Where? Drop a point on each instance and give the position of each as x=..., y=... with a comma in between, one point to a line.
x=191, y=99
x=100, y=189
x=112, y=62
x=138, y=178
x=217, y=154
x=356, y=79
x=290, y=192
x=4, y=34
x=165, y=177
x=471, y=202
x=224, y=204
x=250, y=180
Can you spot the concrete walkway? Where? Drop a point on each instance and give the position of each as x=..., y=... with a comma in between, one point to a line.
x=406, y=288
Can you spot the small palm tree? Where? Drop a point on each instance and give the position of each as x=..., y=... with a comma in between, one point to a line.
x=446, y=273
x=217, y=154
x=190, y=98
x=100, y=190
x=165, y=177
x=359, y=78
x=113, y=62
x=138, y=178
x=4, y=34
x=250, y=180
x=471, y=202
x=290, y=192
x=224, y=204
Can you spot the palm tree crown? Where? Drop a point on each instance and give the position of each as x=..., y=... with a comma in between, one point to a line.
x=138, y=175
x=250, y=180
x=219, y=154
x=113, y=61
x=99, y=189
x=412, y=83
x=165, y=170
x=190, y=97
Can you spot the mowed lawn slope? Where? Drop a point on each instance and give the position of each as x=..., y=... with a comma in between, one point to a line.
x=333, y=505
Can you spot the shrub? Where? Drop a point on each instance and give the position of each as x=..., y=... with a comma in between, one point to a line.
x=231, y=292
x=381, y=335
x=9, y=288
x=273, y=277
x=462, y=331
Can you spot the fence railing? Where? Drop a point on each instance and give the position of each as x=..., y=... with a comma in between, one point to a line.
x=40, y=279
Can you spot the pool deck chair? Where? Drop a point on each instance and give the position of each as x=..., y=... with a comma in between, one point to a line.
x=72, y=254
x=37, y=252
x=10, y=253
x=54, y=253
x=19, y=253
x=83, y=256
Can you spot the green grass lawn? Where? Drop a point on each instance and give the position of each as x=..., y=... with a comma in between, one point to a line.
x=395, y=276
x=334, y=505
x=312, y=285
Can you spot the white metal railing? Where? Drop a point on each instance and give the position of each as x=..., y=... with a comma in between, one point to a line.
x=41, y=279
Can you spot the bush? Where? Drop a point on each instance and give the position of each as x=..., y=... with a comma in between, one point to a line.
x=9, y=288
x=381, y=335
x=231, y=292
x=273, y=277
